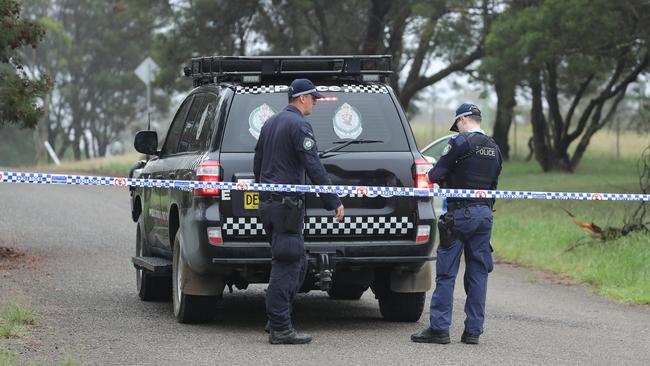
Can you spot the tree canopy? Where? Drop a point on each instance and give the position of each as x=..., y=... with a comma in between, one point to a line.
x=577, y=57
x=19, y=94
x=414, y=32
x=91, y=52
x=574, y=59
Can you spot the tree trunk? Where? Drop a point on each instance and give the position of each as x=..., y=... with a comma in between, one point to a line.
x=323, y=28
x=375, y=31
x=538, y=122
x=505, y=90
x=76, y=142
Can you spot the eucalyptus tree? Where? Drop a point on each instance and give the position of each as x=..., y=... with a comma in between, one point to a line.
x=415, y=32
x=577, y=58
x=19, y=93
x=91, y=51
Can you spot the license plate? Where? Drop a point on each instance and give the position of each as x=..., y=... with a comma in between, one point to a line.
x=251, y=200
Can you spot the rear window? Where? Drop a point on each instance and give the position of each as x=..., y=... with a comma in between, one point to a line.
x=341, y=116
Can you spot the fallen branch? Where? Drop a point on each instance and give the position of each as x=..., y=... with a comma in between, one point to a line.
x=632, y=223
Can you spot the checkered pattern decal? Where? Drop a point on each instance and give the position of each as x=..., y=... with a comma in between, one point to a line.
x=365, y=89
x=359, y=225
x=269, y=89
x=243, y=226
x=261, y=89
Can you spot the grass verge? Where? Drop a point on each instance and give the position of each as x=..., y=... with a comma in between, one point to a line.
x=6, y=358
x=13, y=319
x=538, y=233
x=114, y=166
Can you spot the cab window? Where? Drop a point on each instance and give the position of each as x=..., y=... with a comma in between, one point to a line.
x=176, y=128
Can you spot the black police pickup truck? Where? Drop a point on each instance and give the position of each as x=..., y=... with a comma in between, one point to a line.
x=197, y=242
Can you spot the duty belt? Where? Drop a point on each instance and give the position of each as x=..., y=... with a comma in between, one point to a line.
x=277, y=197
x=464, y=204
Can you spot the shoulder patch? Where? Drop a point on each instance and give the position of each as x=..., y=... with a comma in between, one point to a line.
x=307, y=143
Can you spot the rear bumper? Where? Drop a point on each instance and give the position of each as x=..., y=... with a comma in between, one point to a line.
x=335, y=260
x=370, y=254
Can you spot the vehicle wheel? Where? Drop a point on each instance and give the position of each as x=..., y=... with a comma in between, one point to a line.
x=401, y=307
x=150, y=287
x=397, y=306
x=346, y=292
x=188, y=308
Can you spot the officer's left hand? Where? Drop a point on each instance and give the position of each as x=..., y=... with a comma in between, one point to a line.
x=339, y=213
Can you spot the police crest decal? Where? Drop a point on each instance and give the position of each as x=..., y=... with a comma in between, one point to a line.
x=257, y=118
x=347, y=122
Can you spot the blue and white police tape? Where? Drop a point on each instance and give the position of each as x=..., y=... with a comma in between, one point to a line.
x=46, y=178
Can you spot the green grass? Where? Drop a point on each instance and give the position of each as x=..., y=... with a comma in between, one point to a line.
x=537, y=233
x=13, y=319
x=6, y=358
x=70, y=361
x=114, y=166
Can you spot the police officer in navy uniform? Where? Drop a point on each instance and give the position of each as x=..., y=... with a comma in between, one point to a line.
x=472, y=160
x=285, y=150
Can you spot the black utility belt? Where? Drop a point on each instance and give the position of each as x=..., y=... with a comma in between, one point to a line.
x=277, y=197
x=456, y=205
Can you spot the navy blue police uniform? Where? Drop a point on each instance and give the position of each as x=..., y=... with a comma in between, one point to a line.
x=285, y=151
x=471, y=160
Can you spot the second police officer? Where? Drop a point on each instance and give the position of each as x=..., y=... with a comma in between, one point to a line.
x=472, y=160
x=285, y=150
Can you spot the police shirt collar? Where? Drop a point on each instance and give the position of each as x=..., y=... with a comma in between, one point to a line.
x=477, y=130
x=293, y=109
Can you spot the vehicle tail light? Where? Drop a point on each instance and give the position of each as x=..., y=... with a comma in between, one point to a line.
x=422, y=167
x=214, y=236
x=208, y=171
x=424, y=231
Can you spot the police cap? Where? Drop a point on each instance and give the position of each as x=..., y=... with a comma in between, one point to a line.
x=465, y=109
x=303, y=87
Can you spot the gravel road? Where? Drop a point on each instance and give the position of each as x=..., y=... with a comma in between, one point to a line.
x=81, y=284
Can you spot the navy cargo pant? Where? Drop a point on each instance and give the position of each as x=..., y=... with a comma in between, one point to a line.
x=288, y=266
x=471, y=232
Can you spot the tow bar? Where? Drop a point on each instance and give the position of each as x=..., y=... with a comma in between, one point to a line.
x=324, y=269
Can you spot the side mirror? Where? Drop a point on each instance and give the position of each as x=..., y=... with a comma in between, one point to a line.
x=146, y=142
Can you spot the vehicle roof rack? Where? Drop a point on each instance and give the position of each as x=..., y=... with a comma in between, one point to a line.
x=255, y=69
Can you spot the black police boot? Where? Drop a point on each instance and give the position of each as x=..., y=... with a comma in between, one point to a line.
x=267, y=327
x=469, y=338
x=289, y=336
x=430, y=336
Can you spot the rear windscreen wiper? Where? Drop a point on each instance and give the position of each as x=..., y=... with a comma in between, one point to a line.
x=345, y=143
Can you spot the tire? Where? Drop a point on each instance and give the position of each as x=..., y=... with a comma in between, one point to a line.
x=397, y=306
x=150, y=287
x=347, y=292
x=402, y=307
x=188, y=308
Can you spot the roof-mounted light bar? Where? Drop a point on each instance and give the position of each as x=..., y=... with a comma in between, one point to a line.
x=251, y=69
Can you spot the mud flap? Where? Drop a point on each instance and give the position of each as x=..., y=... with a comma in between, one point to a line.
x=204, y=285
x=193, y=283
x=420, y=281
